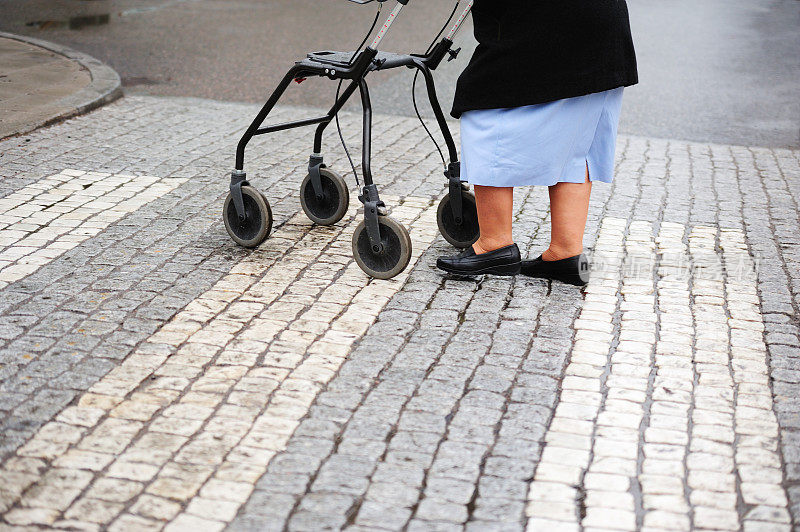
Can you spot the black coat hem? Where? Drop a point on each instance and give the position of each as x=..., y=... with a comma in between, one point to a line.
x=535, y=52
x=562, y=89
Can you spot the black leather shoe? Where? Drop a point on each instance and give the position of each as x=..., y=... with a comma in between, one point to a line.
x=572, y=270
x=502, y=261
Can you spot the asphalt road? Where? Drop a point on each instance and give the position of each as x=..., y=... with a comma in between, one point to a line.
x=725, y=71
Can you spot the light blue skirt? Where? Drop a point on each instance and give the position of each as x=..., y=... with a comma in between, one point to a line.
x=542, y=144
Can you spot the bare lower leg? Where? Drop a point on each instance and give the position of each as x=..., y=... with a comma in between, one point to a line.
x=495, y=210
x=569, y=208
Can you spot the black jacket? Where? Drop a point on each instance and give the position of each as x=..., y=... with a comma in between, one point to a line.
x=535, y=51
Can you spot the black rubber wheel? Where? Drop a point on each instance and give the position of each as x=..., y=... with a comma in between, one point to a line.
x=460, y=235
x=396, y=252
x=257, y=223
x=334, y=202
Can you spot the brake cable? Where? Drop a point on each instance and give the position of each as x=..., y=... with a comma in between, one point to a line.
x=338, y=91
x=414, y=87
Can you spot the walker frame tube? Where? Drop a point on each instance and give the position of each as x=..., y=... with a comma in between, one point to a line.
x=460, y=20
x=366, y=144
x=388, y=24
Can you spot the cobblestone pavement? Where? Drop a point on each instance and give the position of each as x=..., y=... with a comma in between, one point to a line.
x=154, y=375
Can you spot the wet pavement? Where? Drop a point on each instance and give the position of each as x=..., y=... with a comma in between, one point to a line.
x=226, y=50
x=43, y=83
x=718, y=71
x=33, y=80
x=153, y=375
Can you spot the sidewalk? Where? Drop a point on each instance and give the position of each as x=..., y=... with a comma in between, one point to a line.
x=42, y=83
x=154, y=376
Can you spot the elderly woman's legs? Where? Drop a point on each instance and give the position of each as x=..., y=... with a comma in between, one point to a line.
x=569, y=208
x=495, y=209
x=564, y=260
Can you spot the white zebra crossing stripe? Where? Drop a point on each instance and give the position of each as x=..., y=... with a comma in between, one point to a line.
x=652, y=403
x=44, y=220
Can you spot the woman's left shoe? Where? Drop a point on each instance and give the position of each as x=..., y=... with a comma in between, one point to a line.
x=572, y=270
x=502, y=261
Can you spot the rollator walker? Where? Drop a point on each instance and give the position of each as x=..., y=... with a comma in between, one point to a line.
x=381, y=245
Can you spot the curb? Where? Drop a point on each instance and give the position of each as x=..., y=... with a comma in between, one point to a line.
x=104, y=88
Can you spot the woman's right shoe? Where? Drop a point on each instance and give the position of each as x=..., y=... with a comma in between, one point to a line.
x=572, y=270
x=503, y=261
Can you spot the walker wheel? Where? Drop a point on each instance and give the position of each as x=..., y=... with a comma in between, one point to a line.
x=467, y=232
x=254, y=228
x=392, y=258
x=332, y=206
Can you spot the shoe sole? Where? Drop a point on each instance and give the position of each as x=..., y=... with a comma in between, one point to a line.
x=574, y=280
x=507, y=270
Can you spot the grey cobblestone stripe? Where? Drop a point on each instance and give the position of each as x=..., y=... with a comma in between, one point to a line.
x=67, y=324
x=438, y=365
x=73, y=320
